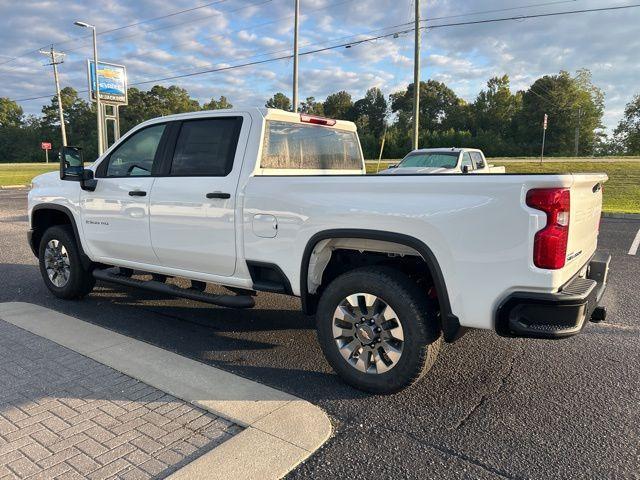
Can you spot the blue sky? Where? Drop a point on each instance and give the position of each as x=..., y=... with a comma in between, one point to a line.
x=230, y=32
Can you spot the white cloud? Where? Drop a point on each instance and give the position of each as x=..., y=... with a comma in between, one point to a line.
x=239, y=31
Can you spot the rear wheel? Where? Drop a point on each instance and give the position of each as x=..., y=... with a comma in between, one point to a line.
x=61, y=266
x=377, y=329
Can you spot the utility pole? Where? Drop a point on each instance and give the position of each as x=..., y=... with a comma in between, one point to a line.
x=295, y=55
x=544, y=136
x=56, y=59
x=416, y=77
x=577, y=148
x=384, y=136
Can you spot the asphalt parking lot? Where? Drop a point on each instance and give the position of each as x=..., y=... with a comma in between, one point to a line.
x=491, y=407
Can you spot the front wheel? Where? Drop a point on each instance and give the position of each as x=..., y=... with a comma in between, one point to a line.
x=61, y=266
x=377, y=329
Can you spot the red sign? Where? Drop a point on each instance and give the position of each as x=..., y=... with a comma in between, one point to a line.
x=45, y=145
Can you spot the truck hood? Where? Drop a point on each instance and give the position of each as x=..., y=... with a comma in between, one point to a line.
x=416, y=170
x=46, y=179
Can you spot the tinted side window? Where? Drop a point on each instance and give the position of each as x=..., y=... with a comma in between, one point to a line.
x=206, y=147
x=466, y=160
x=477, y=159
x=134, y=157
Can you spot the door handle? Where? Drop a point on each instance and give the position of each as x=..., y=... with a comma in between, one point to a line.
x=218, y=195
x=137, y=193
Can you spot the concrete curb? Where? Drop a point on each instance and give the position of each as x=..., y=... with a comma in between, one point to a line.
x=625, y=216
x=280, y=430
x=13, y=187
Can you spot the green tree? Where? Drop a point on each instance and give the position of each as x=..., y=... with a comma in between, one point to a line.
x=496, y=107
x=627, y=133
x=573, y=104
x=279, y=100
x=338, y=105
x=10, y=113
x=156, y=102
x=312, y=107
x=80, y=120
x=440, y=108
x=371, y=112
x=220, y=104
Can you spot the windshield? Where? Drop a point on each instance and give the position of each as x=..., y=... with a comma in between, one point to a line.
x=430, y=159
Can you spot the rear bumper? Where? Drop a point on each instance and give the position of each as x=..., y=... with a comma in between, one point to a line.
x=555, y=315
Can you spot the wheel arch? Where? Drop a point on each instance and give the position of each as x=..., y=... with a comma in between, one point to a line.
x=46, y=215
x=450, y=323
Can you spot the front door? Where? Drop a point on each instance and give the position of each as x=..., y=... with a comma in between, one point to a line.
x=115, y=217
x=193, y=204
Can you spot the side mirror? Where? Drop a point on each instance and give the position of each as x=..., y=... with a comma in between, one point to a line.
x=72, y=168
x=465, y=169
x=395, y=165
x=71, y=164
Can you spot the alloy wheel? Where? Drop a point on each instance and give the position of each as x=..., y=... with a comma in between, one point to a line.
x=368, y=333
x=56, y=263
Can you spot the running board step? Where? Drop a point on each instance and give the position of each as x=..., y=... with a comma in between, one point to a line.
x=229, y=301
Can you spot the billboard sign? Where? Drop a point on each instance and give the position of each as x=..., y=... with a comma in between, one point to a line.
x=113, y=82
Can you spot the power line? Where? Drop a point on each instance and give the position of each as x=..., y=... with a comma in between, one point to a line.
x=179, y=12
x=140, y=22
x=362, y=41
x=408, y=30
x=259, y=25
x=537, y=15
x=179, y=24
x=498, y=10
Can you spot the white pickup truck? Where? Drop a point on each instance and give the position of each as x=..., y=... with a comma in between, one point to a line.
x=267, y=200
x=443, y=160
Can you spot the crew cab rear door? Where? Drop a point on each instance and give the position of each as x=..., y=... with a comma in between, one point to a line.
x=192, y=204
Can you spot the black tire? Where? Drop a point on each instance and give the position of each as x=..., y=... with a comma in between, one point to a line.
x=418, y=317
x=80, y=280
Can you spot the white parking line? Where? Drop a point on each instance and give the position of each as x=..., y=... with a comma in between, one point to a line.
x=636, y=243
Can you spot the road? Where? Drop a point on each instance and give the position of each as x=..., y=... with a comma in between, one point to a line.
x=490, y=408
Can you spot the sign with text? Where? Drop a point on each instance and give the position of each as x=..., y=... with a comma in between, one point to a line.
x=112, y=79
x=545, y=122
x=45, y=145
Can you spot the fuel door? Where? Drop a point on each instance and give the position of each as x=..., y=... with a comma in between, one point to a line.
x=265, y=226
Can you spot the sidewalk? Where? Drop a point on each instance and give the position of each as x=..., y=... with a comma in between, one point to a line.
x=63, y=414
x=80, y=401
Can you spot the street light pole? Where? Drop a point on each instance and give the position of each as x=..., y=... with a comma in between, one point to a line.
x=416, y=78
x=295, y=55
x=97, y=89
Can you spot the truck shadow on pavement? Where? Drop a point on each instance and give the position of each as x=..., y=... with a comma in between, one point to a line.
x=273, y=343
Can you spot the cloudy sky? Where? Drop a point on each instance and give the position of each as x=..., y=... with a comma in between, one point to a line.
x=231, y=32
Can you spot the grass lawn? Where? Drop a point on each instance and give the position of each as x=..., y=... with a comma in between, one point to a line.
x=621, y=192
x=22, y=173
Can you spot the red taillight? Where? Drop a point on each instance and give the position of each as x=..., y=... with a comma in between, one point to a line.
x=550, y=244
x=317, y=120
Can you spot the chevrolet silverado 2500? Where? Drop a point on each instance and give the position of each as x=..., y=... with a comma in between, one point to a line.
x=267, y=200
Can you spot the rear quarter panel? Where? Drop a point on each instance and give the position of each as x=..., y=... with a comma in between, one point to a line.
x=478, y=227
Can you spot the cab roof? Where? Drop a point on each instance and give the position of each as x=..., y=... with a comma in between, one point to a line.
x=446, y=150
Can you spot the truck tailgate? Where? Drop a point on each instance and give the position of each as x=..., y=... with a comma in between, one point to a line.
x=584, y=223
